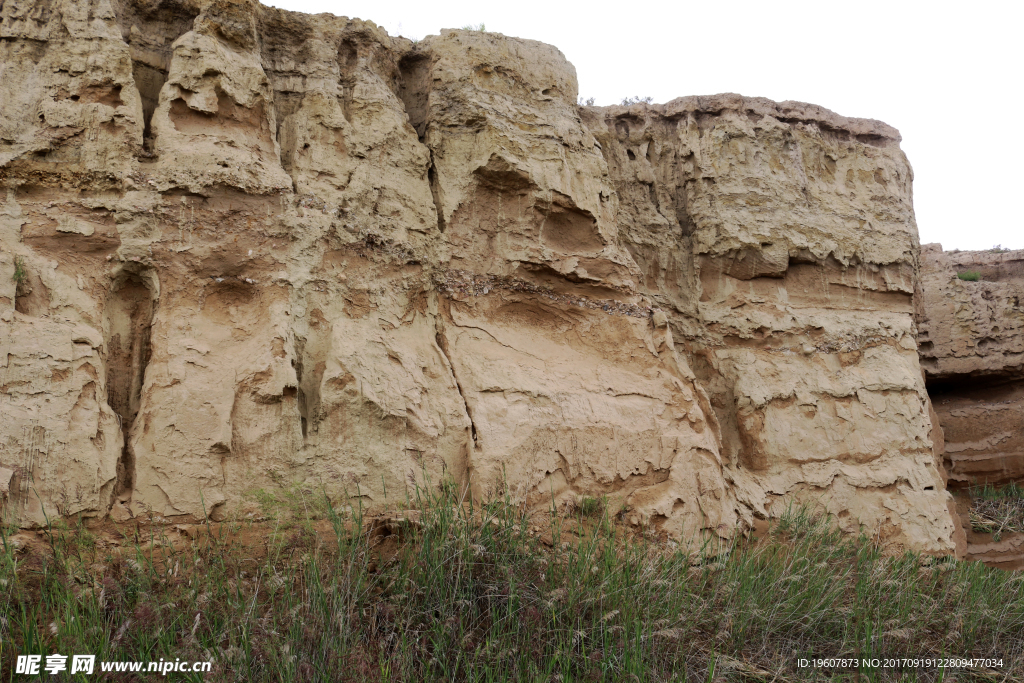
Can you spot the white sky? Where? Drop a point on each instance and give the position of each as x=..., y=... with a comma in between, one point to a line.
x=948, y=76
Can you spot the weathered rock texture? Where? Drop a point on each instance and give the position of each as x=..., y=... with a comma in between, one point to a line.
x=972, y=351
x=780, y=240
x=261, y=248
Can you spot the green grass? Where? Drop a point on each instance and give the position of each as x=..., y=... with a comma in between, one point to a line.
x=453, y=592
x=20, y=272
x=986, y=492
x=969, y=275
x=591, y=507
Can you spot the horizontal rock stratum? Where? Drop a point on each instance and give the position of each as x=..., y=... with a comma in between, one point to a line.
x=971, y=321
x=245, y=248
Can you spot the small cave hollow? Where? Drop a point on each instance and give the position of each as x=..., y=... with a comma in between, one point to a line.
x=413, y=90
x=149, y=80
x=571, y=230
x=31, y=295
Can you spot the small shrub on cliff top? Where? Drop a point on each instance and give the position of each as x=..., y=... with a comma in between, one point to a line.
x=626, y=101
x=479, y=27
x=969, y=275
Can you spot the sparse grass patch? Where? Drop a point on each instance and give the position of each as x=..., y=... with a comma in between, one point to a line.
x=291, y=503
x=626, y=101
x=1011, y=491
x=591, y=507
x=20, y=275
x=455, y=591
x=969, y=275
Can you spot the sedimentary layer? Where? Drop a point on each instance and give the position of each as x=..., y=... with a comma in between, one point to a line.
x=779, y=241
x=244, y=248
x=971, y=323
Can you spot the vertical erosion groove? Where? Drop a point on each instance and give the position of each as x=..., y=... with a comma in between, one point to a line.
x=414, y=91
x=442, y=343
x=129, y=318
x=435, y=192
x=301, y=399
x=150, y=31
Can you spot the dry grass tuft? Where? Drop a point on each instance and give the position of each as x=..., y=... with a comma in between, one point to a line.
x=997, y=510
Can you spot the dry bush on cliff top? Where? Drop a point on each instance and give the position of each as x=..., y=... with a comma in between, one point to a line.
x=456, y=593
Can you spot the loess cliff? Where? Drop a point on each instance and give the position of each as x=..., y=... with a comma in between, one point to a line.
x=972, y=352
x=244, y=247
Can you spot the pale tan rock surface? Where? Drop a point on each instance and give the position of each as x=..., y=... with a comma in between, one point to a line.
x=780, y=241
x=972, y=351
x=267, y=249
x=972, y=328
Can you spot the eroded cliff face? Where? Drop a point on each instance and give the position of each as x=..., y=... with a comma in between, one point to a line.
x=244, y=248
x=780, y=241
x=972, y=351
